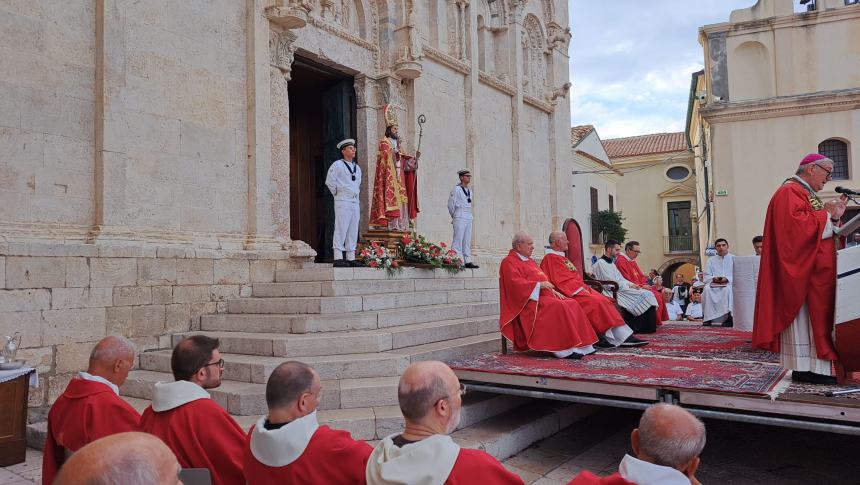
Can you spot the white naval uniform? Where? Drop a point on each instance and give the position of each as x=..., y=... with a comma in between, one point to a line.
x=717, y=300
x=345, y=190
x=460, y=209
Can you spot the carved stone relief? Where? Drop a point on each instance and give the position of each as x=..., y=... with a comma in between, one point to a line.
x=282, y=49
x=534, y=58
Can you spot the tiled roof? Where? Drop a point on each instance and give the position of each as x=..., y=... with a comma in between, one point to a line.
x=645, y=145
x=577, y=133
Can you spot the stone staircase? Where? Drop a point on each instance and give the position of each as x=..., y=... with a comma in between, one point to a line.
x=360, y=330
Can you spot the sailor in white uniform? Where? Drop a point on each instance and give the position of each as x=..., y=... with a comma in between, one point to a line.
x=344, y=181
x=460, y=209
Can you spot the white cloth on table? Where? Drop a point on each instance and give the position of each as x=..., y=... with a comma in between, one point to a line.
x=635, y=300
x=717, y=300
x=8, y=375
x=745, y=274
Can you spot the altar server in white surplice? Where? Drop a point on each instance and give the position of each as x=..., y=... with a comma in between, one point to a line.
x=640, y=303
x=717, y=295
x=344, y=181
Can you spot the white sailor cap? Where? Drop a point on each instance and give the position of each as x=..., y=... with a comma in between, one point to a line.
x=464, y=172
x=349, y=142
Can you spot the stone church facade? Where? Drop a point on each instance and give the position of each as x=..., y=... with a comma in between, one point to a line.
x=158, y=157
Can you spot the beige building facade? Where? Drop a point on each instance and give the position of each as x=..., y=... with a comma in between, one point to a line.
x=657, y=198
x=776, y=86
x=158, y=157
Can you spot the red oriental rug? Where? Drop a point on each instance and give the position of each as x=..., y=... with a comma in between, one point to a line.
x=754, y=378
x=698, y=342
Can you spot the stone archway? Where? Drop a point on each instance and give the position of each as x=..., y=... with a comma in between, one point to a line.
x=668, y=268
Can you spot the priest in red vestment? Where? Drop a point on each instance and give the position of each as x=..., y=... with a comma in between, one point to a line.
x=629, y=268
x=430, y=398
x=600, y=309
x=90, y=408
x=667, y=445
x=797, y=280
x=289, y=446
x=199, y=432
x=394, y=201
x=534, y=315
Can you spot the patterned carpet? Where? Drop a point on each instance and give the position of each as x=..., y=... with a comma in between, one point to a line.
x=678, y=356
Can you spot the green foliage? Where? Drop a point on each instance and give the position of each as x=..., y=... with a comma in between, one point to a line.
x=609, y=225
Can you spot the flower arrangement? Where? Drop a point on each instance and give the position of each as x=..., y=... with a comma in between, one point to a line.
x=417, y=249
x=377, y=256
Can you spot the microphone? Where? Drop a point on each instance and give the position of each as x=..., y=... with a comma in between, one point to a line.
x=846, y=191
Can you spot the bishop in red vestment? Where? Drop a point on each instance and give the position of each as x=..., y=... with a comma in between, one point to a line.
x=199, y=432
x=629, y=268
x=289, y=446
x=797, y=280
x=430, y=398
x=534, y=315
x=90, y=408
x=600, y=309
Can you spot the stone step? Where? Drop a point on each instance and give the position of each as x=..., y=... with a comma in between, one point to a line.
x=333, y=343
x=346, y=304
x=369, y=287
x=310, y=323
x=256, y=369
x=508, y=433
x=248, y=399
x=453, y=349
x=285, y=275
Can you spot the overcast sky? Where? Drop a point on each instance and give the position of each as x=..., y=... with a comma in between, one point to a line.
x=631, y=61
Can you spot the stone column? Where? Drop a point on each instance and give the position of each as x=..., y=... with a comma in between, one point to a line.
x=367, y=121
x=515, y=39
x=263, y=223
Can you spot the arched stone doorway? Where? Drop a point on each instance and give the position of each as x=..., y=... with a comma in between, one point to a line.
x=685, y=265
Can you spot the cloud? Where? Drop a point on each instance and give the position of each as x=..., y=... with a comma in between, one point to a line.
x=632, y=61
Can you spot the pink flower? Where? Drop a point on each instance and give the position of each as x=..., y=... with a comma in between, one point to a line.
x=379, y=251
x=394, y=264
x=373, y=244
x=373, y=264
x=442, y=244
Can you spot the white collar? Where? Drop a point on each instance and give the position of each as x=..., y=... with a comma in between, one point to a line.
x=644, y=473
x=282, y=446
x=522, y=258
x=553, y=251
x=170, y=395
x=626, y=256
x=89, y=377
x=426, y=462
x=804, y=183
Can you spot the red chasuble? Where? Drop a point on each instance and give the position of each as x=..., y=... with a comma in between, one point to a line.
x=202, y=435
x=588, y=478
x=797, y=266
x=477, y=467
x=85, y=412
x=388, y=192
x=331, y=457
x=631, y=271
x=550, y=324
x=599, y=309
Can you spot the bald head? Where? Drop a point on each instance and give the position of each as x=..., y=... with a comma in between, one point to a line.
x=519, y=238
x=669, y=435
x=558, y=241
x=112, y=358
x=293, y=391
x=121, y=459
x=429, y=397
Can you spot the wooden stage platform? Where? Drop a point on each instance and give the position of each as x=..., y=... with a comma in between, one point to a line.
x=712, y=371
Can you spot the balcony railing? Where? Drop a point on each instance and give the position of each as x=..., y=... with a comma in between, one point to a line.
x=680, y=244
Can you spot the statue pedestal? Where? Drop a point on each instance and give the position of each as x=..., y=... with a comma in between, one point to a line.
x=387, y=238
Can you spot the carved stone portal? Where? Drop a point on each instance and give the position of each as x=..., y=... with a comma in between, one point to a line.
x=293, y=15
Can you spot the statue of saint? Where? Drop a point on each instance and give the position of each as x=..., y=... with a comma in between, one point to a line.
x=395, y=186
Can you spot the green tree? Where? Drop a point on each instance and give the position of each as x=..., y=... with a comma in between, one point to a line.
x=609, y=225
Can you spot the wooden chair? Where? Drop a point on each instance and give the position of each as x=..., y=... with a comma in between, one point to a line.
x=576, y=255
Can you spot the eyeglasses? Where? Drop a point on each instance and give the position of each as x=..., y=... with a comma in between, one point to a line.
x=829, y=172
x=219, y=363
x=461, y=392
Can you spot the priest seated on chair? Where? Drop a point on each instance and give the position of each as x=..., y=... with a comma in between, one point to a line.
x=199, y=431
x=639, y=302
x=599, y=309
x=289, y=446
x=534, y=314
x=430, y=398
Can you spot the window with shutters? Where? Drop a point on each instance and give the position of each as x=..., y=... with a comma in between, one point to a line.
x=595, y=235
x=836, y=150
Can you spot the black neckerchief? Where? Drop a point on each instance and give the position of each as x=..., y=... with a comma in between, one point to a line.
x=273, y=426
x=399, y=441
x=467, y=193
x=352, y=169
x=606, y=258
